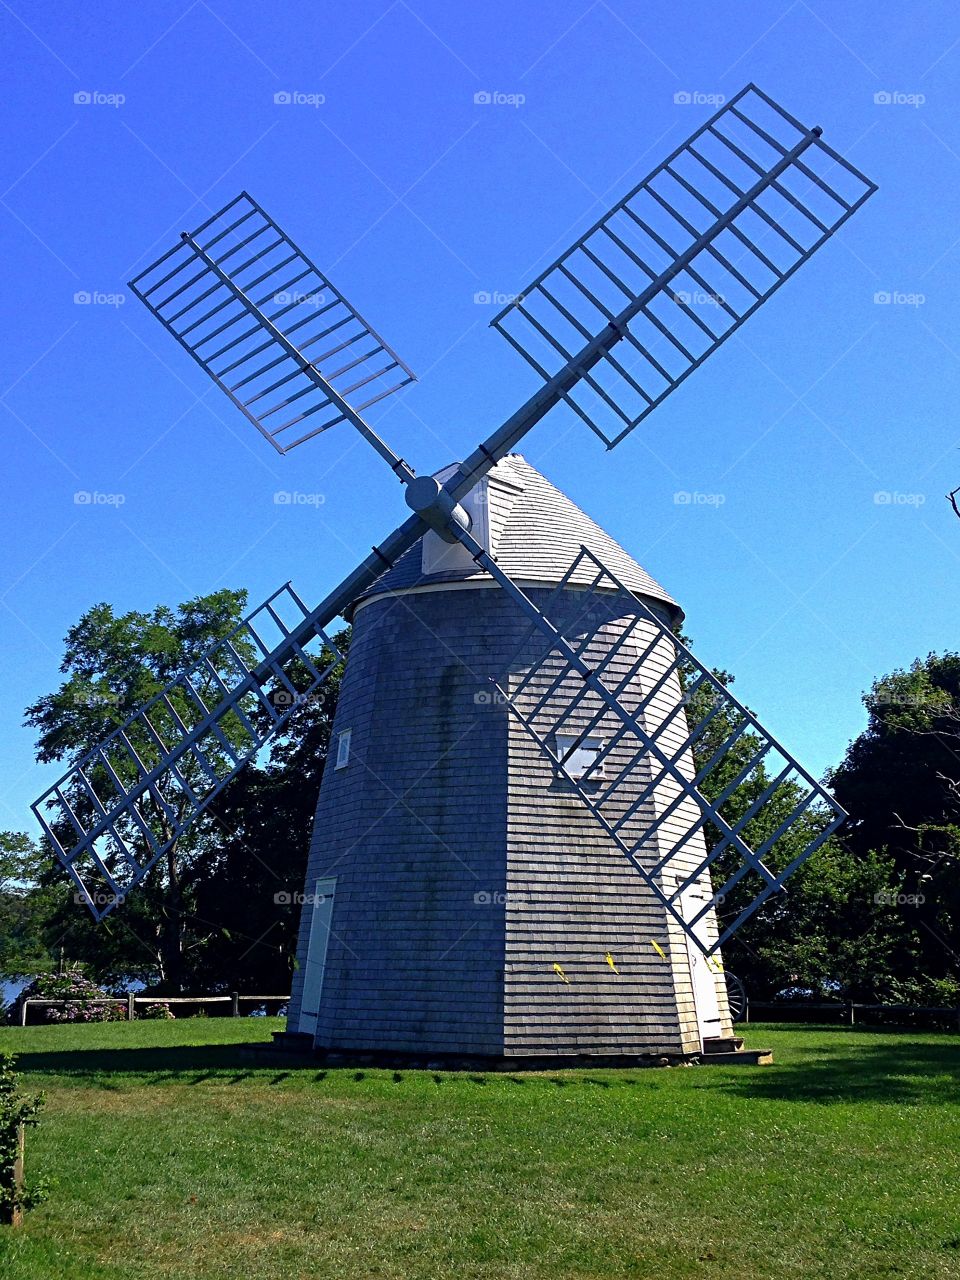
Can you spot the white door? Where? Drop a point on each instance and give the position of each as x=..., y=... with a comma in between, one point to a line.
x=316, y=954
x=703, y=972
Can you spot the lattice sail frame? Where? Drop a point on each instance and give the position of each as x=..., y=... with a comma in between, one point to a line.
x=678, y=265
x=616, y=674
x=251, y=308
x=118, y=810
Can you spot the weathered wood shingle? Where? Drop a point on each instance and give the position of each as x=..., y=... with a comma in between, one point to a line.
x=535, y=533
x=466, y=869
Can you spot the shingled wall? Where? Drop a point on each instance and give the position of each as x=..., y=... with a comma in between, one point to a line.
x=467, y=870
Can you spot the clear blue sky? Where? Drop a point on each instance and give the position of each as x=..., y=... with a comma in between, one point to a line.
x=415, y=198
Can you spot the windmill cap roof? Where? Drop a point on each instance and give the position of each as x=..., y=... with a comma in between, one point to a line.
x=534, y=531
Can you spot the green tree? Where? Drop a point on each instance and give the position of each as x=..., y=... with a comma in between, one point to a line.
x=831, y=929
x=23, y=949
x=900, y=782
x=835, y=931
x=248, y=893
x=113, y=665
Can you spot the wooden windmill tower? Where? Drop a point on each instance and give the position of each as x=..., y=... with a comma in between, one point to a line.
x=515, y=853
x=459, y=897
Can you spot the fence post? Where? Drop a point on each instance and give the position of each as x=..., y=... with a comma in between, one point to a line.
x=13, y=1215
x=131, y=1006
x=235, y=1004
x=851, y=1017
x=23, y=1012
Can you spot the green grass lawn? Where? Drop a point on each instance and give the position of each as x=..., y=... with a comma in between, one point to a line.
x=172, y=1155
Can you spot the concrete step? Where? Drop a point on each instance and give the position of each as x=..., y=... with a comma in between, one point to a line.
x=722, y=1044
x=291, y=1042
x=738, y=1058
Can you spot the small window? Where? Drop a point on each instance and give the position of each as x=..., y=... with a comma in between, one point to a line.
x=576, y=755
x=343, y=749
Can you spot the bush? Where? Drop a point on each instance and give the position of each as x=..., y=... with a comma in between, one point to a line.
x=920, y=989
x=159, y=1010
x=15, y=1110
x=86, y=1001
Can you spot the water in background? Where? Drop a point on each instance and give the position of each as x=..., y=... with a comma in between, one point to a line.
x=10, y=990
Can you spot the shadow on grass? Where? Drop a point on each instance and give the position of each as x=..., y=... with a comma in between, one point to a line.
x=832, y=1066
x=176, y=1064
x=878, y=1070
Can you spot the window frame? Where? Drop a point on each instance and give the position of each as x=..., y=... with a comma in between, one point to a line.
x=344, y=741
x=592, y=743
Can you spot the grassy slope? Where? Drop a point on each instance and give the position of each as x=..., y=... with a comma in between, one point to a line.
x=176, y=1157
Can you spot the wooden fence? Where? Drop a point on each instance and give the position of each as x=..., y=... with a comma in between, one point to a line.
x=846, y=1011
x=130, y=1002
x=795, y=1010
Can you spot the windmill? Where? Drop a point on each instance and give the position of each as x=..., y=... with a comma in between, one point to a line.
x=521, y=847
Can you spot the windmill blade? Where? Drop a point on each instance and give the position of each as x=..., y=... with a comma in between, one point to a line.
x=270, y=329
x=678, y=265
x=121, y=807
x=619, y=706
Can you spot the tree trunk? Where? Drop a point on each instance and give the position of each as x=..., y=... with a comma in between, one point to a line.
x=172, y=928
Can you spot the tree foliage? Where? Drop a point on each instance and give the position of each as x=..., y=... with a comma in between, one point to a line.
x=900, y=782
x=16, y=1113
x=207, y=915
x=872, y=914
x=23, y=947
x=831, y=931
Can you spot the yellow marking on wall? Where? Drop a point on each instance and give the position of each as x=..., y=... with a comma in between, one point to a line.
x=558, y=970
x=609, y=959
x=658, y=949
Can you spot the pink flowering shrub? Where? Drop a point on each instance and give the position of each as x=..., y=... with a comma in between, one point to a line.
x=85, y=1001
x=159, y=1010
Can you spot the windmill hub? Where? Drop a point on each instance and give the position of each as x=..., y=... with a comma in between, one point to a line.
x=427, y=497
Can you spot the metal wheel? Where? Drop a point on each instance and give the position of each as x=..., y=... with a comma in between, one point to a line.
x=736, y=996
